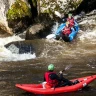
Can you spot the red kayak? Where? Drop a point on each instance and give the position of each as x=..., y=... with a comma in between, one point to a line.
x=38, y=88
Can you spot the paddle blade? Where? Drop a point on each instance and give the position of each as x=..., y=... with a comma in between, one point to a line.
x=50, y=36
x=57, y=14
x=67, y=67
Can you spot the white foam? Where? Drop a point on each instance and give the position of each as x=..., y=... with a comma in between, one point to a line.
x=55, y=27
x=91, y=21
x=7, y=55
x=91, y=35
x=7, y=40
x=17, y=57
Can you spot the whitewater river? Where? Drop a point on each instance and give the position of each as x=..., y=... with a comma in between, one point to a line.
x=30, y=67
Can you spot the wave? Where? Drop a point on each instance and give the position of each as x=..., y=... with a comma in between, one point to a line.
x=88, y=36
x=7, y=55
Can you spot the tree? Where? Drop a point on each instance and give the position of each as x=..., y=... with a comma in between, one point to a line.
x=34, y=10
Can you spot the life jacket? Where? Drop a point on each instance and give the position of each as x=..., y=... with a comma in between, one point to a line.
x=50, y=82
x=66, y=30
x=71, y=21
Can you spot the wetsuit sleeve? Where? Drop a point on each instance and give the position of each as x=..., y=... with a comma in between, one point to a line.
x=54, y=76
x=61, y=76
x=64, y=20
x=44, y=78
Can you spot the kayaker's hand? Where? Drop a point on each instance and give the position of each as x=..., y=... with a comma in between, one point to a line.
x=60, y=72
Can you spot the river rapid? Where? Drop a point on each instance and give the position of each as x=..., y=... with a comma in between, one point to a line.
x=30, y=68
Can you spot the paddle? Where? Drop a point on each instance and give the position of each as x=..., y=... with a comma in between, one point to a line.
x=50, y=36
x=66, y=68
x=58, y=14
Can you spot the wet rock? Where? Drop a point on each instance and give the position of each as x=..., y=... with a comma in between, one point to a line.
x=38, y=31
x=41, y=29
x=5, y=30
x=33, y=30
x=19, y=16
x=20, y=47
x=5, y=23
x=13, y=49
x=15, y=15
x=4, y=6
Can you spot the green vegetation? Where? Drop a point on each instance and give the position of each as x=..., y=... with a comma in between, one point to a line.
x=18, y=10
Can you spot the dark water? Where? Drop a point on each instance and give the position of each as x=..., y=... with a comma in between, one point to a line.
x=61, y=54
x=32, y=71
x=80, y=53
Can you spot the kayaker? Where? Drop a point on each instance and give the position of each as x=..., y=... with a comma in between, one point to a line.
x=53, y=80
x=67, y=29
x=71, y=20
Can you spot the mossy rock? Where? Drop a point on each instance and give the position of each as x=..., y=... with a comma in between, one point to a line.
x=18, y=10
x=60, y=6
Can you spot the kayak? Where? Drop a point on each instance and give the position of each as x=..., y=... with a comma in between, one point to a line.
x=58, y=34
x=38, y=88
x=71, y=36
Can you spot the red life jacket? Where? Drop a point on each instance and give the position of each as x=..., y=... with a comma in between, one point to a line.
x=50, y=82
x=71, y=21
x=66, y=30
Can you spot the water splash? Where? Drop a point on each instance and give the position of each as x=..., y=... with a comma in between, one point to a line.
x=16, y=57
x=4, y=41
x=88, y=36
x=83, y=45
x=55, y=27
x=53, y=31
x=7, y=55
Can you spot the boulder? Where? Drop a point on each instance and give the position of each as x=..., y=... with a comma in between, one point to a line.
x=33, y=31
x=4, y=28
x=10, y=25
x=40, y=29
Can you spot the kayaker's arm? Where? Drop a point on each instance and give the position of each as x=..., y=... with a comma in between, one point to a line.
x=63, y=19
x=44, y=78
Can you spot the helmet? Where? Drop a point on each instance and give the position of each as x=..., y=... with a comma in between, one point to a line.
x=70, y=14
x=51, y=67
